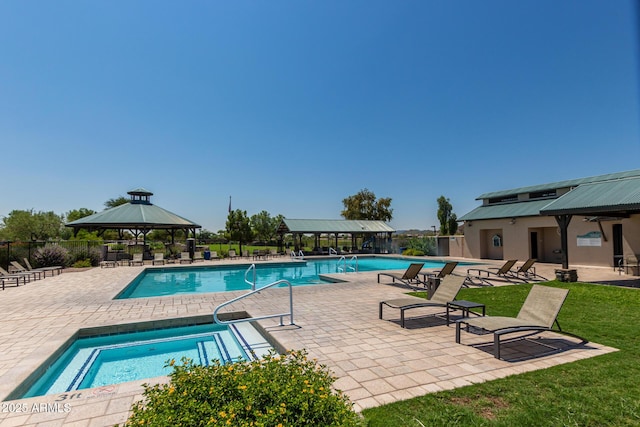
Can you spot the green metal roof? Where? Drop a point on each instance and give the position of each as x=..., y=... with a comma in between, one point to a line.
x=559, y=184
x=333, y=226
x=506, y=210
x=620, y=196
x=134, y=216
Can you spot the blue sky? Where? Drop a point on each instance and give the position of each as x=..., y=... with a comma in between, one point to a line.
x=291, y=106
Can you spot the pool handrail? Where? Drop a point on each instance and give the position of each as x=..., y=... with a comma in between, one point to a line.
x=346, y=267
x=253, y=284
x=250, y=319
x=354, y=258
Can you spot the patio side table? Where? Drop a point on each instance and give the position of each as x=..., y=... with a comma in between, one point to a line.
x=465, y=306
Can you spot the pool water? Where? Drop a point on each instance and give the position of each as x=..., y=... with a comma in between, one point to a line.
x=113, y=359
x=154, y=282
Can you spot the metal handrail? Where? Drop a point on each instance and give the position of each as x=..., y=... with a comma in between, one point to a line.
x=353, y=258
x=299, y=255
x=347, y=267
x=253, y=284
x=250, y=319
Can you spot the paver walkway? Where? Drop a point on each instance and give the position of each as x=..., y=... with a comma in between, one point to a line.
x=375, y=361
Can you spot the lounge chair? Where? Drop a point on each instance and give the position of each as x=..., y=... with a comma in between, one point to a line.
x=446, y=270
x=410, y=276
x=527, y=271
x=6, y=277
x=232, y=254
x=26, y=277
x=158, y=258
x=482, y=277
x=446, y=292
x=136, y=260
x=35, y=275
x=53, y=269
x=197, y=256
x=184, y=257
x=214, y=255
x=538, y=313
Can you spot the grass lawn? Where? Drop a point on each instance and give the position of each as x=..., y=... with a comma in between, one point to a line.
x=600, y=391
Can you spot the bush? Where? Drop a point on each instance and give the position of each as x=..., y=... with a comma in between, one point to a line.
x=426, y=245
x=82, y=263
x=275, y=391
x=51, y=255
x=117, y=247
x=413, y=252
x=92, y=256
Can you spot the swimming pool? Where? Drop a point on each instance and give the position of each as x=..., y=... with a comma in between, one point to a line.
x=153, y=282
x=115, y=358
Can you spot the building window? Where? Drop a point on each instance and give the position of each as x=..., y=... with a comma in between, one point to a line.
x=497, y=240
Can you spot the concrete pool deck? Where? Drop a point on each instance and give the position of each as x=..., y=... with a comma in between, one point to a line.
x=375, y=361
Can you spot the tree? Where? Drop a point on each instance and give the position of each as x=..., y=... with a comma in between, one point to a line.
x=112, y=203
x=448, y=220
x=364, y=205
x=76, y=214
x=81, y=234
x=239, y=227
x=26, y=225
x=206, y=235
x=264, y=226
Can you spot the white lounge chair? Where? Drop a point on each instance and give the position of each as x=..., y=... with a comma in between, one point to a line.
x=158, y=258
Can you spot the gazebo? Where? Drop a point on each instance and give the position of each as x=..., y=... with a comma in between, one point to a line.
x=138, y=216
x=376, y=235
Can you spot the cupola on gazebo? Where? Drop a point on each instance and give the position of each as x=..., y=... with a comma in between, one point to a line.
x=138, y=216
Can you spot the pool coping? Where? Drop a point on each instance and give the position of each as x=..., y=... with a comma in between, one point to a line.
x=375, y=361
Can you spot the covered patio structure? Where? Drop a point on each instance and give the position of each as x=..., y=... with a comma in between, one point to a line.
x=139, y=216
x=611, y=200
x=375, y=236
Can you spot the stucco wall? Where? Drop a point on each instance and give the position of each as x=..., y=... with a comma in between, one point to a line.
x=516, y=237
x=458, y=247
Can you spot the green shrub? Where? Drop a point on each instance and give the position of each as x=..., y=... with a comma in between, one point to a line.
x=426, y=245
x=51, y=255
x=83, y=263
x=93, y=256
x=413, y=252
x=274, y=391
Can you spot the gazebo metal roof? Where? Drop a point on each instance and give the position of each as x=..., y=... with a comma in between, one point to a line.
x=138, y=214
x=313, y=226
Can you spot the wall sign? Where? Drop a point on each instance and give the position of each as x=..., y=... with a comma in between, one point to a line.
x=592, y=238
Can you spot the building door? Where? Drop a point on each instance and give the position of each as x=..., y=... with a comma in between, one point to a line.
x=534, y=244
x=617, y=244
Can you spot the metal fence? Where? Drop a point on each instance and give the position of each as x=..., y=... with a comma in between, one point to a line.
x=17, y=251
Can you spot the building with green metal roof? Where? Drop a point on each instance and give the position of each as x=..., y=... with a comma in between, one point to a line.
x=587, y=221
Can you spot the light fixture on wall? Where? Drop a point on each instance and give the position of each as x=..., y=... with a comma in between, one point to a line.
x=513, y=221
x=469, y=223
